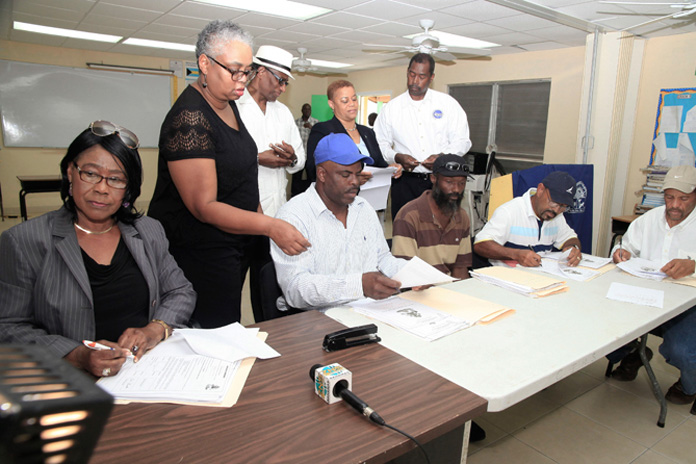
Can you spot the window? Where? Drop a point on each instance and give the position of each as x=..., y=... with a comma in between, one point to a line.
x=509, y=116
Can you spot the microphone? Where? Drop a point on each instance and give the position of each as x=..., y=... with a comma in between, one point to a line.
x=332, y=383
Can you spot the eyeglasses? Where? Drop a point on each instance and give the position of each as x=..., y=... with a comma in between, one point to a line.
x=235, y=74
x=281, y=81
x=106, y=128
x=554, y=205
x=454, y=166
x=94, y=178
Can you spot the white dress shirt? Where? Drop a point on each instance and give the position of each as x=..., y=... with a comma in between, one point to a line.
x=650, y=237
x=434, y=125
x=330, y=272
x=275, y=126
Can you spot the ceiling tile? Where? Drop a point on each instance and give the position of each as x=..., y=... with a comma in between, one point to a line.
x=205, y=11
x=434, y=4
x=477, y=30
x=44, y=21
x=388, y=10
x=521, y=22
x=349, y=20
x=79, y=6
x=333, y=4
x=288, y=36
x=160, y=6
x=328, y=43
x=49, y=11
x=311, y=27
x=441, y=20
x=97, y=21
x=480, y=10
x=534, y=47
x=359, y=36
x=122, y=12
x=182, y=21
x=394, y=29
x=262, y=20
x=558, y=33
x=514, y=38
x=157, y=28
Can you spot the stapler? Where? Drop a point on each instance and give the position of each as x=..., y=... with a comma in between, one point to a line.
x=351, y=337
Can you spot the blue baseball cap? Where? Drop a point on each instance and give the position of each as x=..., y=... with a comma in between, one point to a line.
x=340, y=149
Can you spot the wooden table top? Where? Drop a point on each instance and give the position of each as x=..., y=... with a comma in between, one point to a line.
x=279, y=419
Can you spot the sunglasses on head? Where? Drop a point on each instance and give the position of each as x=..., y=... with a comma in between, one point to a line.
x=455, y=166
x=106, y=128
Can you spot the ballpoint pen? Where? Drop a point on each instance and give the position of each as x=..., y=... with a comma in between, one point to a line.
x=534, y=251
x=96, y=346
x=621, y=247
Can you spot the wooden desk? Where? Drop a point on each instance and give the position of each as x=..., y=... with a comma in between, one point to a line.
x=619, y=226
x=279, y=419
x=36, y=184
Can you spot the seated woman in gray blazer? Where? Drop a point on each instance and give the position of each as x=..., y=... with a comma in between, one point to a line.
x=96, y=268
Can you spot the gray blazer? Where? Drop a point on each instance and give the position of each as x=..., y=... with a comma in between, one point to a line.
x=45, y=295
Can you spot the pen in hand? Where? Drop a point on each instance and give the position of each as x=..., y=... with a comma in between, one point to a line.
x=96, y=346
x=621, y=248
x=534, y=251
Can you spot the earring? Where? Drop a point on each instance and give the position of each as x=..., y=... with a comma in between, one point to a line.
x=204, y=83
x=126, y=204
x=70, y=189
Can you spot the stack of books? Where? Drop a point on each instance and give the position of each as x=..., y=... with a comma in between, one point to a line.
x=652, y=189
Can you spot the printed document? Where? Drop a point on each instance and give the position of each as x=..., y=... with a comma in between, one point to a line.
x=643, y=268
x=376, y=190
x=636, y=295
x=417, y=273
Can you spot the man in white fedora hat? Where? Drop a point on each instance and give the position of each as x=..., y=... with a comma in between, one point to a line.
x=272, y=126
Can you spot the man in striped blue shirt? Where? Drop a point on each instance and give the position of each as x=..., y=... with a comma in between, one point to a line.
x=532, y=223
x=349, y=257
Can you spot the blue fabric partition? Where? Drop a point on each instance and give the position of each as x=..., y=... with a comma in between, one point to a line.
x=579, y=216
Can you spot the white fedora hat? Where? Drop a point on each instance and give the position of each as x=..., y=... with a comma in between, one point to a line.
x=276, y=58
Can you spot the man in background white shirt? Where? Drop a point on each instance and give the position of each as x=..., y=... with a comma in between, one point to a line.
x=416, y=127
x=272, y=126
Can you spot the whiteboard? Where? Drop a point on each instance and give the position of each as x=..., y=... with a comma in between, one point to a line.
x=48, y=106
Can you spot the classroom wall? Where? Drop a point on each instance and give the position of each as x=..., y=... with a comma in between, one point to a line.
x=40, y=161
x=564, y=67
x=668, y=62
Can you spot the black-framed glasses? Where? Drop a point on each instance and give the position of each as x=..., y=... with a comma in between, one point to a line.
x=235, y=74
x=455, y=166
x=554, y=205
x=281, y=81
x=106, y=128
x=94, y=178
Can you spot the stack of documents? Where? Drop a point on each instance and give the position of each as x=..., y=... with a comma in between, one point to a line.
x=197, y=366
x=527, y=283
x=417, y=273
x=640, y=267
x=432, y=313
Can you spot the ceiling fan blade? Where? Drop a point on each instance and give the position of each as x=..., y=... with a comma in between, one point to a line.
x=670, y=16
x=470, y=51
x=445, y=56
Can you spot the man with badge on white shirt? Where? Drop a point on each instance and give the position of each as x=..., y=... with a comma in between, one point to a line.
x=416, y=127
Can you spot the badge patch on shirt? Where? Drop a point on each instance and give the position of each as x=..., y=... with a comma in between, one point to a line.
x=437, y=114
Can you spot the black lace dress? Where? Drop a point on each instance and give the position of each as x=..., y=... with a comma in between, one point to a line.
x=213, y=260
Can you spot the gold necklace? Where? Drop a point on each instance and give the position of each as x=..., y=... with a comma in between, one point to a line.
x=91, y=232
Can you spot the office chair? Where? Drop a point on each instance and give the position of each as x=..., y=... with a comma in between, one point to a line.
x=270, y=292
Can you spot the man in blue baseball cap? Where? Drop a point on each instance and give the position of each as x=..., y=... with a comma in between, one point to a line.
x=349, y=258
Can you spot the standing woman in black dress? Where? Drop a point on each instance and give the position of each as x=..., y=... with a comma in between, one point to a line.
x=207, y=194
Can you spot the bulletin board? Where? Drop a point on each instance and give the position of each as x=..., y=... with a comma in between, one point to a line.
x=674, y=138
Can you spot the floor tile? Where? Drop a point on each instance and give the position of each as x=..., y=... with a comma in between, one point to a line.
x=570, y=388
x=508, y=450
x=680, y=445
x=629, y=415
x=521, y=414
x=651, y=457
x=493, y=434
x=570, y=438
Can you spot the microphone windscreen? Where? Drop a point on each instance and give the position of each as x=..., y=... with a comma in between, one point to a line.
x=326, y=378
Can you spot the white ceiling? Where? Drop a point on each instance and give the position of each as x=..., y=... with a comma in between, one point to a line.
x=335, y=36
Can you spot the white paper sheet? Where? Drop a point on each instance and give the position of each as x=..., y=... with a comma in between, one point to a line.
x=417, y=272
x=560, y=269
x=230, y=343
x=410, y=316
x=190, y=378
x=690, y=121
x=636, y=295
x=670, y=121
x=643, y=268
x=376, y=190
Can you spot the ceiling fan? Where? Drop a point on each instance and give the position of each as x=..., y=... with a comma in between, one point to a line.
x=430, y=44
x=303, y=64
x=686, y=9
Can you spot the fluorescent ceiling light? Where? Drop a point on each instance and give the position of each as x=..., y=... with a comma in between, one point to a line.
x=20, y=26
x=328, y=64
x=158, y=44
x=283, y=8
x=454, y=40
